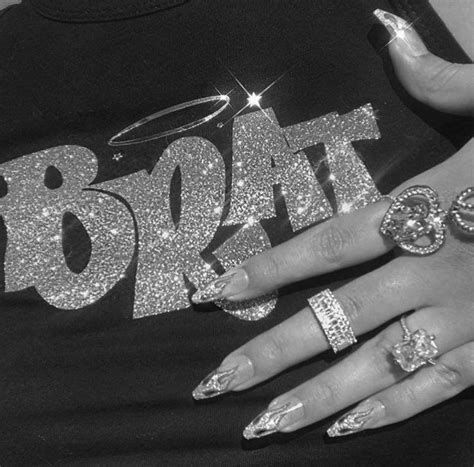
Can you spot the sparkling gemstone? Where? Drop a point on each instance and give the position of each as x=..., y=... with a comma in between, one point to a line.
x=415, y=350
x=436, y=220
x=421, y=210
x=415, y=222
x=412, y=224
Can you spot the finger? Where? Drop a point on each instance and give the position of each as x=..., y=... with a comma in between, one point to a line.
x=446, y=86
x=453, y=373
x=7, y=3
x=340, y=242
x=367, y=302
x=368, y=370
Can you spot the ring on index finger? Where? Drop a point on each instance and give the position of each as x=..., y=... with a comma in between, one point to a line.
x=416, y=223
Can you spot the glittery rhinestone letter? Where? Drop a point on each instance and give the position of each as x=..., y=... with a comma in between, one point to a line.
x=352, y=184
x=34, y=218
x=167, y=252
x=258, y=140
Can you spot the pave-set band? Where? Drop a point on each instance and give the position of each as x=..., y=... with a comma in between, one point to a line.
x=416, y=223
x=334, y=323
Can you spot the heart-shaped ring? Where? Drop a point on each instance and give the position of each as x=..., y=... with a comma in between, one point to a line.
x=415, y=222
x=461, y=212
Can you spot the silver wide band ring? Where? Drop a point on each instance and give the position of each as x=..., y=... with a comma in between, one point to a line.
x=417, y=349
x=334, y=322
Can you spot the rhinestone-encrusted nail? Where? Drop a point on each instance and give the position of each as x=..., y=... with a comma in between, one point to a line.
x=349, y=423
x=214, y=384
x=269, y=421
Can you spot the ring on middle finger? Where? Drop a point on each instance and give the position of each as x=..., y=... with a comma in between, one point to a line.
x=334, y=322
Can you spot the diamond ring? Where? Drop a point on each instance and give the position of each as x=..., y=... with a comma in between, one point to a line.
x=413, y=216
x=415, y=350
x=334, y=322
x=416, y=223
x=461, y=212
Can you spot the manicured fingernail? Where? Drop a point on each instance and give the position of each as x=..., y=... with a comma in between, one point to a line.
x=365, y=415
x=275, y=419
x=231, y=283
x=233, y=372
x=402, y=31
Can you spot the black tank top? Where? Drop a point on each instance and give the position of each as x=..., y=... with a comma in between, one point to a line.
x=267, y=117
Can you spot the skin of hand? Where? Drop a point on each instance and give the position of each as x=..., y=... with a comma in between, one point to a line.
x=5, y=3
x=438, y=287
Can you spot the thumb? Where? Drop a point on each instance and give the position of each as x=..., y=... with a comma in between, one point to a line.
x=445, y=86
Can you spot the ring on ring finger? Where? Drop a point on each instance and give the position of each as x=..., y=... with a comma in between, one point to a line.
x=358, y=376
x=415, y=350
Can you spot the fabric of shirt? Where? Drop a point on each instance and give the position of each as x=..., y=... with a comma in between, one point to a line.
x=97, y=386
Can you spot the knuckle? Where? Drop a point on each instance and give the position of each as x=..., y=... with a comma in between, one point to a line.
x=448, y=375
x=411, y=395
x=447, y=272
x=325, y=391
x=415, y=274
x=274, y=349
x=269, y=269
x=439, y=77
x=332, y=243
x=352, y=306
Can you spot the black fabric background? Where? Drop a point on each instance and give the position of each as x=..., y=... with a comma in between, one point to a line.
x=93, y=386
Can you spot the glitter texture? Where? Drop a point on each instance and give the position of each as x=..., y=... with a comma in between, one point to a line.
x=132, y=214
x=167, y=252
x=248, y=241
x=353, y=186
x=33, y=215
x=257, y=140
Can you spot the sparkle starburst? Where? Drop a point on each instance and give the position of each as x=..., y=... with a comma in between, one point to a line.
x=254, y=100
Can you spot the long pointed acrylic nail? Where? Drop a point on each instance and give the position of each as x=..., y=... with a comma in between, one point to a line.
x=230, y=283
x=274, y=419
x=400, y=29
x=232, y=373
x=365, y=415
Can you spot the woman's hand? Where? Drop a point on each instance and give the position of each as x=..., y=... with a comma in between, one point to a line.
x=439, y=287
